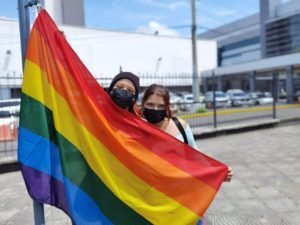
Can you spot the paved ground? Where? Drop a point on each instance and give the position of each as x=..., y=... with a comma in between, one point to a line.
x=265, y=189
x=266, y=185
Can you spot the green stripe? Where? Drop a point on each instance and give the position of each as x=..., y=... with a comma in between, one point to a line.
x=37, y=118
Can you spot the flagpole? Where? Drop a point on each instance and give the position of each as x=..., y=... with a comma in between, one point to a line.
x=24, y=25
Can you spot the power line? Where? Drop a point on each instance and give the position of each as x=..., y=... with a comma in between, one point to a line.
x=242, y=4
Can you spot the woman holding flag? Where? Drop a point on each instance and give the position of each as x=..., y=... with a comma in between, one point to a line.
x=156, y=110
x=124, y=90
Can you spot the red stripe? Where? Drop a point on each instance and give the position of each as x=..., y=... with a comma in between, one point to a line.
x=185, y=158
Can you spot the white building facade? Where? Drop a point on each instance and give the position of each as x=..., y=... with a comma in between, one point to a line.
x=105, y=53
x=253, y=49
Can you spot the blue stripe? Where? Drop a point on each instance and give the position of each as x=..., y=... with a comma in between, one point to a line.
x=39, y=153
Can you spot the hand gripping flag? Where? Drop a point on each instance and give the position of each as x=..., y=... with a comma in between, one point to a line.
x=80, y=152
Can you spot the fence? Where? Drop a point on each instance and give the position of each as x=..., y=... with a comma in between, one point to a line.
x=213, y=109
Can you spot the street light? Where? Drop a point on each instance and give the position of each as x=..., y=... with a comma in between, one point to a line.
x=196, y=82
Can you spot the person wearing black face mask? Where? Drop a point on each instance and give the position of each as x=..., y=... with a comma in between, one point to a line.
x=122, y=98
x=124, y=90
x=156, y=110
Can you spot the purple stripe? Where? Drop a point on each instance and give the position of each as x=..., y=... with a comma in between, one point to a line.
x=53, y=191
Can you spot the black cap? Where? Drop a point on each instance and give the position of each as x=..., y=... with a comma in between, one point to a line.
x=126, y=75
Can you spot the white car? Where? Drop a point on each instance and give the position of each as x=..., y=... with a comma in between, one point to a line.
x=186, y=102
x=264, y=98
x=9, y=119
x=221, y=99
x=11, y=106
x=174, y=102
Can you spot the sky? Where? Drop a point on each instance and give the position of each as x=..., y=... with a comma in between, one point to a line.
x=168, y=17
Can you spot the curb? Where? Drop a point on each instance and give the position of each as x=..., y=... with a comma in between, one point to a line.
x=10, y=166
x=212, y=132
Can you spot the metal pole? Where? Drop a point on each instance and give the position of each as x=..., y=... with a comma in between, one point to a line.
x=252, y=81
x=196, y=81
x=275, y=93
x=24, y=26
x=38, y=211
x=214, y=99
x=289, y=84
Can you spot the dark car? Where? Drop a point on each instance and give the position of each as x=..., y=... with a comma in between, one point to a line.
x=239, y=98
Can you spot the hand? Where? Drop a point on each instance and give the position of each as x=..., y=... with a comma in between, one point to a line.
x=229, y=175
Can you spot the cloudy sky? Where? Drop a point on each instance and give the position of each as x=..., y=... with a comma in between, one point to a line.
x=168, y=17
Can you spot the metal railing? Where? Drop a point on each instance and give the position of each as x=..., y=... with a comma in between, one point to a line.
x=201, y=114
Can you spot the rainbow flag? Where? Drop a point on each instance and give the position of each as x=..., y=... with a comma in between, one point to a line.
x=80, y=152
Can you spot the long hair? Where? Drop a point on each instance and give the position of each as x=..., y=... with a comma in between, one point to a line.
x=155, y=89
x=134, y=109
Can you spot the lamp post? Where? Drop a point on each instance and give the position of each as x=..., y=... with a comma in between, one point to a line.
x=196, y=82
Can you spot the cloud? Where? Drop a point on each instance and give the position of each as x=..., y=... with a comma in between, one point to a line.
x=176, y=5
x=170, y=6
x=225, y=12
x=155, y=27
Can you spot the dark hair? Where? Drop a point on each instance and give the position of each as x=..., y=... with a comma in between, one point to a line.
x=136, y=82
x=129, y=76
x=155, y=89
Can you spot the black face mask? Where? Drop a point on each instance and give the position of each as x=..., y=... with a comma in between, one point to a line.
x=122, y=98
x=154, y=116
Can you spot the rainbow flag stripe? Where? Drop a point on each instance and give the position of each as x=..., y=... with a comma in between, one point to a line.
x=79, y=152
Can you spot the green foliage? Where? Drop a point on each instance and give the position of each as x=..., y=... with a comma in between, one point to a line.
x=201, y=110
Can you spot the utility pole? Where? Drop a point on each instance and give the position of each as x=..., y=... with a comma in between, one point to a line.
x=196, y=81
x=24, y=25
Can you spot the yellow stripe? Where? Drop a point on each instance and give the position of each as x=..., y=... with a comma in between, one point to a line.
x=235, y=111
x=200, y=192
x=160, y=208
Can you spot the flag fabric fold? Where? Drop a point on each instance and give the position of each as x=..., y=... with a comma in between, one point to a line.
x=98, y=163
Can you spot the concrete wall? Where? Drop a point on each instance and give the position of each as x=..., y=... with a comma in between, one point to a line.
x=10, y=53
x=103, y=52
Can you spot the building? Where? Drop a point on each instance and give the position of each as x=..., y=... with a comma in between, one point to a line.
x=106, y=52
x=65, y=12
x=259, y=52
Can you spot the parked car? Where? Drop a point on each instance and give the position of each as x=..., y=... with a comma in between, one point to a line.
x=221, y=99
x=9, y=119
x=261, y=98
x=139, y=100
x=174, y=102
x=186, y=102
x=239, y=98
x=11, y=105
x=181, y=94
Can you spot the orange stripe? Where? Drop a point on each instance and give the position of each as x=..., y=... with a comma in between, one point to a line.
x=141, y=156
x=187, y=159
